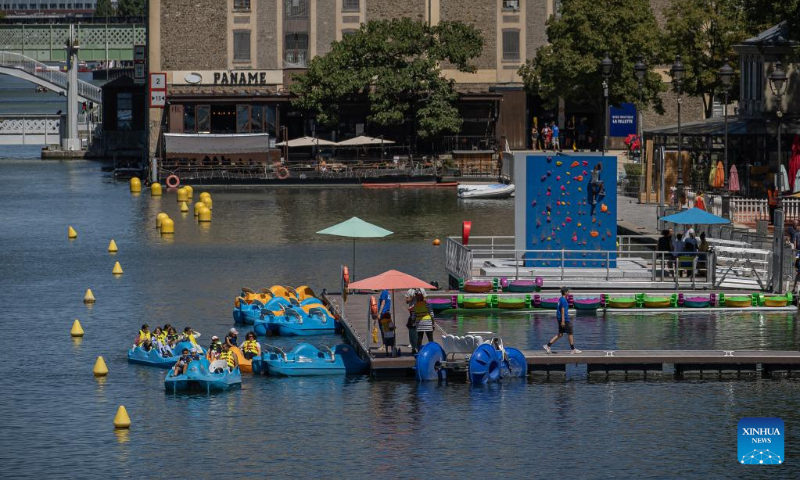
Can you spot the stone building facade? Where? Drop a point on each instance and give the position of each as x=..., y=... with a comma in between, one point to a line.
x=235, y=58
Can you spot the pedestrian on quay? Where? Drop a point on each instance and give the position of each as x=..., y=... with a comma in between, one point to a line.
x=556, y=138
x=564, y=324
x=665, y=250
x=411, y=323
x=423, y=317
x=534, y=138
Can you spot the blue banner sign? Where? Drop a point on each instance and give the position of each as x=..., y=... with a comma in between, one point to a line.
x=623, y=120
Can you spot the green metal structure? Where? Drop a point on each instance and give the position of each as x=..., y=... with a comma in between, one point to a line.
x=98, y=42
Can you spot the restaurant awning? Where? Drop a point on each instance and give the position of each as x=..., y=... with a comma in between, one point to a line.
x=209, y=144
x=736, y=126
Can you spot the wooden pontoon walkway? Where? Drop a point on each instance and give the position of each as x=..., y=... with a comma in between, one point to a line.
x=355, y=318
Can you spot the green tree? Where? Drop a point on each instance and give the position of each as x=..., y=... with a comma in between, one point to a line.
x=569, y=66
x=131, y=8
x=704, y=32
x=395, y=65
x=762, y=14
x=104, y=9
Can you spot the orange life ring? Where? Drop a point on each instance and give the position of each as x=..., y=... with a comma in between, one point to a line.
x=282, y=173
x=373, y=306
x=173, y=181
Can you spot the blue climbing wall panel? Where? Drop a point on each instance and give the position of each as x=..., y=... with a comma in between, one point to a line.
x=560, y=214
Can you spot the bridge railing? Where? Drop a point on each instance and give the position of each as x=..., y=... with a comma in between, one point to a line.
x=40, y=70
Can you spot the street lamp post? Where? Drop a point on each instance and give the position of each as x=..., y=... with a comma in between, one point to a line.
x=777, y=83
x=677, y=72
x=726, y=77
x=606, y=68
x=640, y=69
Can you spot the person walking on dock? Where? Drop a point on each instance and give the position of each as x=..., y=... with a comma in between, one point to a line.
x=564, y=325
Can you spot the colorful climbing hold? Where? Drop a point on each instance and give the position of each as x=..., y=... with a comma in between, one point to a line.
x=585, y=173
x=574, y=237
x=574, y=164
x=580, y=189
x=594, y=233
x=563, y=188
x=585, y=163
x=579, y=224
x=568, y=219
x=558, y=178
x=544, y=177
x=579, y=178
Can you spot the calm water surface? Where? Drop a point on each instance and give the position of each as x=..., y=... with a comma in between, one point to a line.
x=57, y=417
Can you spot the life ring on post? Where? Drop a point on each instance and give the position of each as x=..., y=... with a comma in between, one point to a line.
x=282, y=173
x=373, y=307
x=173, y=181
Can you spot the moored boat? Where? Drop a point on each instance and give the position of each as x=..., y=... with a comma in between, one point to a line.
x=510, y=303
x=657, y=302
x=697, y=302
x=496, y=190
x=478, y=286
x=439, y=304
x=204, y=376
x=776, y=301
x=549, y=303
x=306, y=359
x=298, y=322
x=738, y=302
x=587, y=304
x=521, y=286
x=621, y=302
x=472, y=302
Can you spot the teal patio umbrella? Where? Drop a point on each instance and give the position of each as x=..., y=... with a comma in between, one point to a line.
x=356, y=228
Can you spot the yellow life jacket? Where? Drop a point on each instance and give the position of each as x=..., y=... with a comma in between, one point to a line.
x=250, y=346
x=162, y=337
x=421, y=311
x=228, y=357
x=143, y=336
x=192, y=339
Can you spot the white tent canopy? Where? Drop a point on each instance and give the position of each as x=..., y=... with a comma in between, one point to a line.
x=363, y=140
x=306, y=142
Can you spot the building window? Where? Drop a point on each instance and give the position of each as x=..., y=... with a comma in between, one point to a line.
x=124, y=111
x=188, y=119
x=350, y=5
x=511, y=44
x=241, y=46
x=348, y=31
x=295, y=50
x=242, y=118
x=204, y=119
x=511, y=5
x=241, y=4
x=295, y=9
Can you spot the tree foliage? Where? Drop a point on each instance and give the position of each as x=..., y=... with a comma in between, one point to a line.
x=104, y=9
x=131, y=8
x=762, y=14
x=395, y=65
x=704, y=32
x=569, y=66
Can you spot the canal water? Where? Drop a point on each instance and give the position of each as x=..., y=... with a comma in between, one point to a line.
x=57, y=416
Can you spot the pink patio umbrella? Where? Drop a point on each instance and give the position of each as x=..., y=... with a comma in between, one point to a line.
x=391, y=280
x=733, y=180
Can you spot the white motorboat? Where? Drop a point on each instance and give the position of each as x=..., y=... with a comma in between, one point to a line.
x=496, y=190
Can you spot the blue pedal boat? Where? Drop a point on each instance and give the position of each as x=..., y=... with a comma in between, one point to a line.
x=249, y=313
x=204, y=376
x=299, y=322
x=152, y=358
x=307, y=360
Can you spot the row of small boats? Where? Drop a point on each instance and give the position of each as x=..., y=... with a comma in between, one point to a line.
x=676, y=300
x=286, y=311
x=501, y=284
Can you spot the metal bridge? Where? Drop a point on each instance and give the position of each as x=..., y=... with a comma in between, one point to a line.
x=39, y=129
x=98, y=42
x=36, y=72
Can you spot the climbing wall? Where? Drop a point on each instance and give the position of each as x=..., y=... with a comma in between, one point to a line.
x=560, y=215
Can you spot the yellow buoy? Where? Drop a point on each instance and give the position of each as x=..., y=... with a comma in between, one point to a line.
x=208, y=202
x=77, y=330
x=89, y=297
x=436, y=242
x=101, y=370
x=197, y=207
x=122, y=420
x=71, y=233
x=184, y=207
x=112, y=246
x=155, y=190
x=136, y=185
x=117, y=269
x=167, y=226
x=189, y=191
x=204, y=215
x=204, y=195
x=183, y=196
x=160, y=218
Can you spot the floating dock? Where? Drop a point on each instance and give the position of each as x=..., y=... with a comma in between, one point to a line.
x=354, y=315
